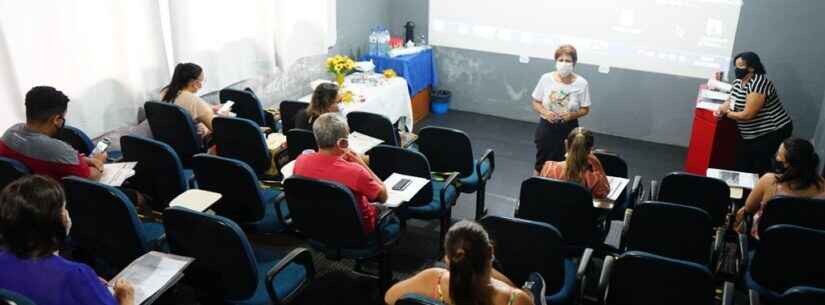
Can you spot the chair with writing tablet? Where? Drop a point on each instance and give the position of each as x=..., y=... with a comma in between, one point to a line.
x=228, y=268
x=172, y=125
x=246, y=106
x=434, y=201
x=373, y=125
x=288, y=110
x=298, y=140
x=241, y=139
x=77, y=139
x=106, y=226
x=159, y=172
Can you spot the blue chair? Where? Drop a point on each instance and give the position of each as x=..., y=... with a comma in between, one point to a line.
x=8, y=297
x=77, y=139
x=328, y=215
x=799, y=295
x=681, y=188
x=523, y=247
x=241, y=139
x=449, y=150
x=639, y=278
x=374, y=125
x=247, y=106
x=106, y=225
x=243, y=200
x=567, y=206
x=172, y=125
x=434, y=201
x=787, y=256
x=159, y=173
x=416, y=299
x=298, y=140
x=672, y=230
x=11, y=170
x=803, y=212
x=288, y=110
x=227, y=268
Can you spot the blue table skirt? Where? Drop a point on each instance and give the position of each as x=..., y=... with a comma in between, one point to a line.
x=418, y=69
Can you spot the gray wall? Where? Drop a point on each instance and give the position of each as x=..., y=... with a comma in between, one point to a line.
x=642, y=105
x=819, y=136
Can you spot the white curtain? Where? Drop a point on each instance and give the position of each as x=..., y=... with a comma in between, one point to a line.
x=110, y=56
x=105, y=55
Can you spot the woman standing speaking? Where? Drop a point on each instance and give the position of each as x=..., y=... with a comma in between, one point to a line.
x=560, y=99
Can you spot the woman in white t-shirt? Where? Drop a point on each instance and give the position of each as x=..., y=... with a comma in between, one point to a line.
x=560, y=99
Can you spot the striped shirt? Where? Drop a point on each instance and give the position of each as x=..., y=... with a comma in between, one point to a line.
x=771, y=117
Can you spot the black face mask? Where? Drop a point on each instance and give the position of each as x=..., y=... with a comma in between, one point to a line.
x=740, y=73
x=778, y=167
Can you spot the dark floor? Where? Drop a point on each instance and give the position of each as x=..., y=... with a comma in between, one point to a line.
x=335, y=283
x=515, y=154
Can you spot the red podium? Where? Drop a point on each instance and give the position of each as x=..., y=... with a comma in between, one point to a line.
x=713, y=143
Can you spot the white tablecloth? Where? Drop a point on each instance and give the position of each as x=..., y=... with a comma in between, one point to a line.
x=390, y=99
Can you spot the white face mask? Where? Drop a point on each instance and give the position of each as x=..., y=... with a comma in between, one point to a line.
x=68, y=223
x=564, y=68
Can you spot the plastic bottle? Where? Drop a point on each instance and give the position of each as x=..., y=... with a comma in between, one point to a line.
x=373, y=42
x=385, y=42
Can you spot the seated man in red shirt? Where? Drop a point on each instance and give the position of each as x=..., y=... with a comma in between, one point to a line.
x=34, y=144
x=335, y=162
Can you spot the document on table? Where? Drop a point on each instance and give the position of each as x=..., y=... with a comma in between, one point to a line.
x=617, y=185
x=153, y=273
x=114, y=174
x=734, y=178
x=361, y=143
x=197, y=200
x=396, y=198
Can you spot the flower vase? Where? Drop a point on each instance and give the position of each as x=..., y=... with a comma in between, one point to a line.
x=339, y=78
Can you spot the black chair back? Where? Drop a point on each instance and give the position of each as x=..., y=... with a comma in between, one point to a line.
x=104, y=222
x=241, y=198
x=172, y=125
x=671, y=230
x=247, y=106
x=789, y=256
x=288, y=109
x=803, y=296
x=640, y=278
x=803, y=212
x=325, y=212
x=77, y=139
x=566, y=206
x=448, y=150
x=709, y=194
x=524, y=246
x=298, y=140
x=416, y=299
x=11, y=170
x=613, y=164
x=159, y=172
x=8, y=297
x=386, y=160
x=373, y=125
x=241, y=139
x=224, y=263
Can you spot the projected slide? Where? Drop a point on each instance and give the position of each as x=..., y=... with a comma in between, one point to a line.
x=680, y=37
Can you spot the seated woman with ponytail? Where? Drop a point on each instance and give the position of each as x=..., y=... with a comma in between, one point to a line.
x=795, y=176
x=186, y=81
x=580, y=165
x=469, y=278
x=325, y=99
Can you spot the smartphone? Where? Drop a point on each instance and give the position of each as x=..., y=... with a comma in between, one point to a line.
x=401, y=184
x=101, y=146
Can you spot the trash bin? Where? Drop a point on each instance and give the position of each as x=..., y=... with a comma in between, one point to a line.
x=440, y=101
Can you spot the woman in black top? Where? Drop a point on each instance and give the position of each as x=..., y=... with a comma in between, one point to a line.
x=325, y=99
x=762, y=121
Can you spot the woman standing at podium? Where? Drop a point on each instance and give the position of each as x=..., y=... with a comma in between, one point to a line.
x=560, y=99
x=762, y=121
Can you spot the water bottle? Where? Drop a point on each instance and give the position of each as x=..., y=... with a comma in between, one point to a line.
x=385, y=42
x=373, y=45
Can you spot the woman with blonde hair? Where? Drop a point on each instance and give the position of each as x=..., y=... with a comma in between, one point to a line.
x=325, y=99
x=579, y=165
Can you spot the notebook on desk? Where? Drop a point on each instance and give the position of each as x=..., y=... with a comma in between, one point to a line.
x=196, y=200
x=152, y=274
x=617, y=186
x=395, y=197
x=361, y=143
x=114, y=174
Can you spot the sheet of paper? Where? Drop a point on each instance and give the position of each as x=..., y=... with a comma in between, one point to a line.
x=614, y=236
x=275, y=140
x=114, y=174
x=713, y=95
x=197, y=200
x=287, y=169
x=152, y=273
x=722, y=86
x=734, y=178
x=709, y=105
x=617, y=185
x=361, y=143
x=396, y=198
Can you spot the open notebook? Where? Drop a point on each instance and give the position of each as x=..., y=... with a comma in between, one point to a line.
x=114, y=174
x=152, y=274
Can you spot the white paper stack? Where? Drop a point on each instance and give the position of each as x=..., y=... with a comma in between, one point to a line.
x=153, y=273
x=734, y=178
x=719, y=85
x=396, y=198
x=197, y=200
x=114, y=174
x=713, y=95
x=361, y=143
x=407, y=51
x=275, y=140
x=288, y=169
